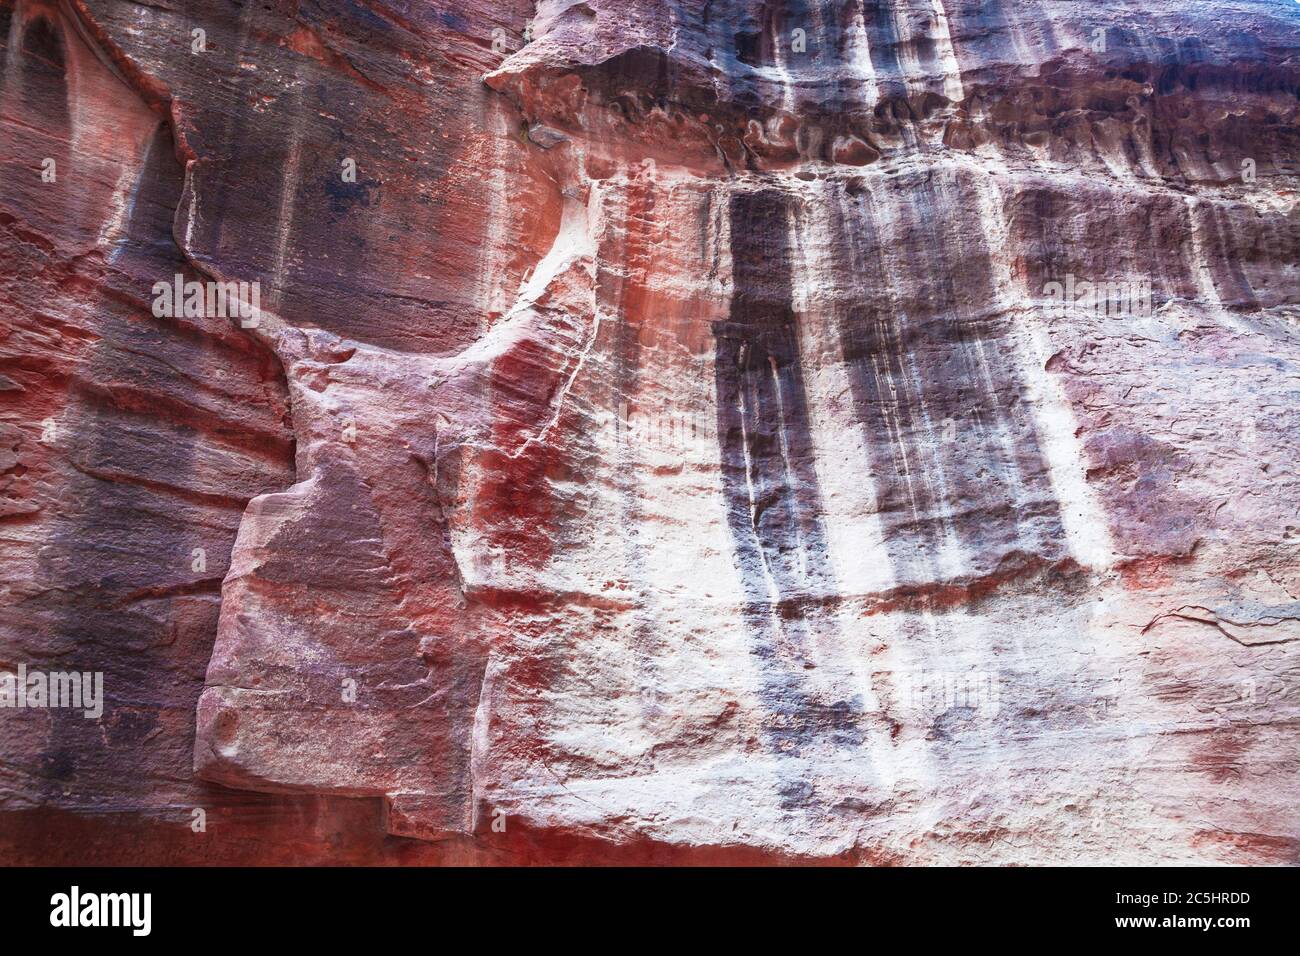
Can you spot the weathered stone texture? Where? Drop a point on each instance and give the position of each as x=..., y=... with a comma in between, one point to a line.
x=668, y=449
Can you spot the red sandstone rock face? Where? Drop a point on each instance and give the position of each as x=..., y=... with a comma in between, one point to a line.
x=674, y=444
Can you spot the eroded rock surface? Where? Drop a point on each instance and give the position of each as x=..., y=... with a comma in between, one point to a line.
x=672, y=443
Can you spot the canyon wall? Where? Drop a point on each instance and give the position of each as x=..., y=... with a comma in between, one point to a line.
x=823, y=431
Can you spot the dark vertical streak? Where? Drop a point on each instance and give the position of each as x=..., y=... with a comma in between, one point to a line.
x=921, y=358
x=883, y=41
x=115, y=539
x=769, y=480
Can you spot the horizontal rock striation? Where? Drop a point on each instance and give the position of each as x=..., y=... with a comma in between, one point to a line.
x=834, y=431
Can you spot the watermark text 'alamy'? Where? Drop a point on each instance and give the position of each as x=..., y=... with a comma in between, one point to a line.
x=216, y=300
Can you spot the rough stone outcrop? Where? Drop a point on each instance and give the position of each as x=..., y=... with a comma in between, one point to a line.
x=671, y=445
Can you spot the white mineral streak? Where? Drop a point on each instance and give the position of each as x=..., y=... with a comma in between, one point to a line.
x=908, y=60
x=492, y=296
x=931, y=21
x=1207, y=292
x=122, y=202
x=130, y=179
x=284, y=222
x=784, y=78
x=951, y=71
x=858, y=53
